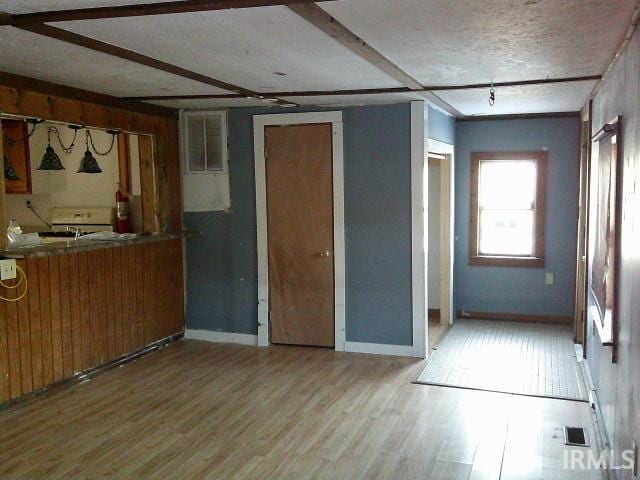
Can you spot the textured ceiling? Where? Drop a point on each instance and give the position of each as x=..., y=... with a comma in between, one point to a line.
x=443, y=42
x=557, y=97
x=439, y=42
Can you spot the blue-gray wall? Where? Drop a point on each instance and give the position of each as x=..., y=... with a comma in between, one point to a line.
x=441, y=126
x=521, y=290
x=222, y=264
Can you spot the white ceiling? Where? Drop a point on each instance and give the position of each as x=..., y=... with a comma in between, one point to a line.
x=244, y=47
x=33, y=55
x=440, y=42
x=29, y=6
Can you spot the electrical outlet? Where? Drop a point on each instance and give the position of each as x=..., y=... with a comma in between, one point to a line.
x=7, y=269
x=549, y=279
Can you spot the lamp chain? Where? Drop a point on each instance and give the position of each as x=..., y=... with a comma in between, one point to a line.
x=68, y=150
x=93, y=146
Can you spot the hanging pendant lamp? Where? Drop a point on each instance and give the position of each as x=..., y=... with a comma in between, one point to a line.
x=9, y=172
x=89, y=164
x=50, y=159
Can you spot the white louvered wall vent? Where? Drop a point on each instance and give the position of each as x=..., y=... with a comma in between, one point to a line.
x=205, y=160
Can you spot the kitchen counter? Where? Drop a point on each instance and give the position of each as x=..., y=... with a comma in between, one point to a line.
x=75, y=246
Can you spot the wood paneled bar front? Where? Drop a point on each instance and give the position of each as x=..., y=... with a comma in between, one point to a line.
x=87, y=307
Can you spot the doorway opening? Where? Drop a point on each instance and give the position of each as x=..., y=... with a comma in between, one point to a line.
x=438, y=224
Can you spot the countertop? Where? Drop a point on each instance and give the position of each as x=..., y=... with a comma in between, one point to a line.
x=74, y=246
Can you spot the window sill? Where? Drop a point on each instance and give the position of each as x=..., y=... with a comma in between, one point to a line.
x=498, y=261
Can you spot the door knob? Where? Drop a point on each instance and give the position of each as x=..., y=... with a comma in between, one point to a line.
x=325, y=254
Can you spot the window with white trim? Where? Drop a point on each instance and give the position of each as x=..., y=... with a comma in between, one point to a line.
x=205, y=160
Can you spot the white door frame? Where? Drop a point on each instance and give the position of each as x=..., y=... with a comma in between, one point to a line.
x=446, y=227
x=259, y=124
x=419, y=307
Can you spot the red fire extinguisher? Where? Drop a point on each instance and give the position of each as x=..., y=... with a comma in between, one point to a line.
x=123, y=225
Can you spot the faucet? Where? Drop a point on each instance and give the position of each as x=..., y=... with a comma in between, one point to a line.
x=76, y=229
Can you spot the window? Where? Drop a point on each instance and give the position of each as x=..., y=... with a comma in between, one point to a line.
x=507, y=209
x=205, y=179
x=205, y=138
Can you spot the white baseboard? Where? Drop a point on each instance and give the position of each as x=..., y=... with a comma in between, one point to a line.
x=221, y=337
x=380, y=349
x=353, y=347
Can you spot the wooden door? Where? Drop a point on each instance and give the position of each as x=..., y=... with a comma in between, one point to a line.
x=300, y=233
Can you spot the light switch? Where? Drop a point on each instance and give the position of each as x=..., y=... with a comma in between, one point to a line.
x=7, y=269
x=549, y=279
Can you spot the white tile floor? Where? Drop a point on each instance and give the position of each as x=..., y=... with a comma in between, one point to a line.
x=512, y=357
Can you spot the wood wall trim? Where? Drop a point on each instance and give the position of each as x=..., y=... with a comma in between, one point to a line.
x=148, y=185
x=520, y=116
x=3, y=198
x=12, y=80
x=516, y=317
x=124, y=163
x=87, y=309
x=137, y=10
x=376, y=91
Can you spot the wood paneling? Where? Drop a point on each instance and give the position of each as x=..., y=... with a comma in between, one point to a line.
x=79, y=312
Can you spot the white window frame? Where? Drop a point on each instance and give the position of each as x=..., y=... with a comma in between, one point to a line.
x=224, y=134
x=209, y=190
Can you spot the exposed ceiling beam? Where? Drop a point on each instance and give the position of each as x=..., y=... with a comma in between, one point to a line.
x=137, y=10
x=519, y=116
x=109, y=49
x=40, y=86
x=336, y=30
x=332, y=27
x=376, y=91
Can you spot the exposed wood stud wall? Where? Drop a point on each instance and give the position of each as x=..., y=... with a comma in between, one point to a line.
x=86, y=309
x=3, y=221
